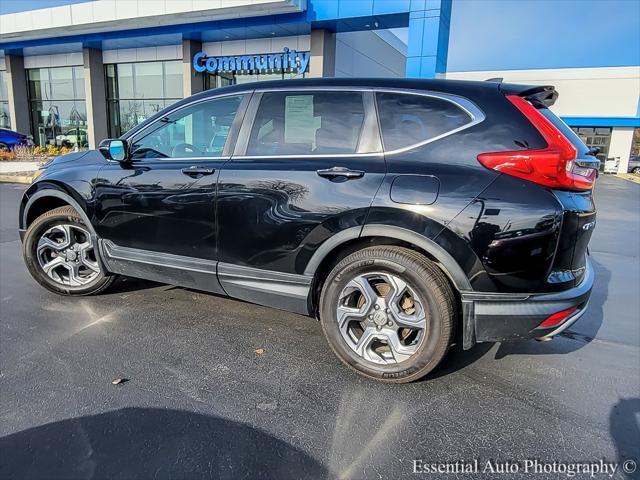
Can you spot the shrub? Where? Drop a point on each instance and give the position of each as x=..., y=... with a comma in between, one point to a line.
x=7, y=155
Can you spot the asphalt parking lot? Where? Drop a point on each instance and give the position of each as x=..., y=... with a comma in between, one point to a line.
x=201, y=402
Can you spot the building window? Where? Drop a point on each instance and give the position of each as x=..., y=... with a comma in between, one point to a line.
x=135, y=91
x=599, y=137
x=5, y=118
x=222, y=79
x=58, y=111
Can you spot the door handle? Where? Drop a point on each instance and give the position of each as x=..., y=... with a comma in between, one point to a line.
x=340, y=172
x=194, y=171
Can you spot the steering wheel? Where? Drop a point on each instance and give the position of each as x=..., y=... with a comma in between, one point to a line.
x=182, y=149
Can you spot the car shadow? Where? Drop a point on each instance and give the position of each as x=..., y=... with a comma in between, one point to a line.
x=458, y=359
x=625, y=432
x=151, y=442
x=131, y=284
x=580, y=334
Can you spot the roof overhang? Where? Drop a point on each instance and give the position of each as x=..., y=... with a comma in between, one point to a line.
x=117, y=15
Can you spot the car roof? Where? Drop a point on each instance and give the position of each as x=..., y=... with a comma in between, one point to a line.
x=439, y=85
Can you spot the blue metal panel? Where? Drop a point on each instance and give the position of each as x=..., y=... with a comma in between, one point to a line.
x=428, y=38
x=428, y=67
x=412, y=68
x=383, y=7
x=602, y=121
x=319, y=10
x=416, y=30
x=354, y=8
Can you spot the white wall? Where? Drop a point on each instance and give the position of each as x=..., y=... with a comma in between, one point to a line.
x=57, y=60
x=584, y=92
x=620, y=146
x=369, y=54
x=145, y=54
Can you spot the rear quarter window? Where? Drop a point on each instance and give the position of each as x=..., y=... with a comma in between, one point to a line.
x=410, y=119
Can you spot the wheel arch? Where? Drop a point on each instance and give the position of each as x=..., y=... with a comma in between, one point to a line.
x=355, y=238
x=46, y=198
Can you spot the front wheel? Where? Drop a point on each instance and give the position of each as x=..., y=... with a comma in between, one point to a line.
x=61, y=256
x=389, y=313
x=636, y=170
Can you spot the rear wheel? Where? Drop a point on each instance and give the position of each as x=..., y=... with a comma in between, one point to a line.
x=636, y=170
x=389, y=313
x=61, y=256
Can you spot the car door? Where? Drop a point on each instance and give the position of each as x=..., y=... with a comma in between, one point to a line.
x=159, y=207
x=306, y=166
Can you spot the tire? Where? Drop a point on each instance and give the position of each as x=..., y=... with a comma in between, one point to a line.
x=4, y=147
x=427, y=293
x=77, y=270
x=636, y=170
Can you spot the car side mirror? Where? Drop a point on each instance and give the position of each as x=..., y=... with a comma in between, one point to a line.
x=114, y=149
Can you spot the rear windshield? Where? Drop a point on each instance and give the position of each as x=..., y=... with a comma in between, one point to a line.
x=566, y=131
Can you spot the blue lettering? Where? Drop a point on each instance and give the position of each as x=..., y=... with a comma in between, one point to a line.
x=196, y=62
x=288, y=59
x=304, y=61
x=211, y=64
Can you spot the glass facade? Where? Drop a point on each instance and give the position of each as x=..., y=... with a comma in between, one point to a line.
x=58, y=110
x=5, y=118
x=599, y=137
x=135, y=91
x=223, y=79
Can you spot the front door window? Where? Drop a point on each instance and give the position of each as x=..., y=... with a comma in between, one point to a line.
x=200, y=130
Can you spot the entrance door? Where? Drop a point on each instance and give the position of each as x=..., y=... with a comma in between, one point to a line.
x=306, y=166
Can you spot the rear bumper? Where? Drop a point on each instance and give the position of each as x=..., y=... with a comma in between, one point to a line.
x=492, y=317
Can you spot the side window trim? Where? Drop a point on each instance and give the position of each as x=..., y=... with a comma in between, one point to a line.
x=230, y=141
x=369, y=135
x=242, y=141
x=477, y=116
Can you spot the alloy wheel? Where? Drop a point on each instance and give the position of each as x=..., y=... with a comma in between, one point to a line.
x=66, y=255
x=381, y=318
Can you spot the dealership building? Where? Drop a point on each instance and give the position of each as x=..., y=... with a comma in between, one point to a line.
x=73, y=72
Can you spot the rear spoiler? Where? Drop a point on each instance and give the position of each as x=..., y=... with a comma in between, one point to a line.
x=540, y=96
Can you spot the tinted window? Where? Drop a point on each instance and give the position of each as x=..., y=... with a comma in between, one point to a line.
x=304, y=123
x=197, y=131
x=409, y=119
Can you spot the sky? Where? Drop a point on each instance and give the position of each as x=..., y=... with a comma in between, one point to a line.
x=510, y=34
x=12, y=6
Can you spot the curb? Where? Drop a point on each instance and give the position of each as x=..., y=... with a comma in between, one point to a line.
x=629, y=177
x=16, y=179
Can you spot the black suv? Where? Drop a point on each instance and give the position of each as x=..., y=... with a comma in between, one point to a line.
x=406, y=215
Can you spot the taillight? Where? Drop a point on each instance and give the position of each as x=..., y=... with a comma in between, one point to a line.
x=557, y=318
x=553, y=166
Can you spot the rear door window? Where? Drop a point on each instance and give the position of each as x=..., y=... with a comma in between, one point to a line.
x=307, y=123
x=407, y=119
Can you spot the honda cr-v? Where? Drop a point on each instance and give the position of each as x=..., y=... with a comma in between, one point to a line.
x=406, y=215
